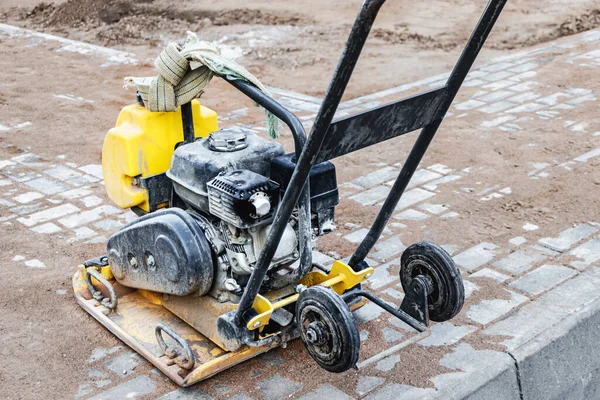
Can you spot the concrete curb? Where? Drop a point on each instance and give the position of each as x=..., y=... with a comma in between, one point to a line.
x=564, y=361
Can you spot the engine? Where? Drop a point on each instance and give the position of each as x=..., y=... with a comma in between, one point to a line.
x=225, y=191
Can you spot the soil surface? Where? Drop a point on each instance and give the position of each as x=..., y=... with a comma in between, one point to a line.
x=296, y=45
x=48, y=339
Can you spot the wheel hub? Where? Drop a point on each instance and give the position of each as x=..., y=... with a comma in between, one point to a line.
x=420, y=267
x=316, y=333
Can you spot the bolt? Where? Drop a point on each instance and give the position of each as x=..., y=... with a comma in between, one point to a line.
x=368, y=275
x=300, y=288
x=311, y=335
x=256, y=324
x=151, y=261
x=133, y=262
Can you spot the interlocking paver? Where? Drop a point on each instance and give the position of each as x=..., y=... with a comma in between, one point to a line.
x=411, y=215
x=476, y=256
x=48, y=215
x=490, y=310
x=62, y=173
x=357, y=236
x=277, y=387
x=388, y=248
x=394, y=391
x=139, y=386
x=391, y=335
x=187, y=394
x=520, y=261
x=543, y=278
x=326, y=392
x=46, y=186
x=446, y=334
x=366, y=384
x=123, y=364
x=387, y=364
x=568, y=237
x=371, y=196
x=587, y=254
x=412, y=197
x=377, y=177
x=490, y=273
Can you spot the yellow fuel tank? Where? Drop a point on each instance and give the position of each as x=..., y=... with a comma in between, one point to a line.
x=141, y=145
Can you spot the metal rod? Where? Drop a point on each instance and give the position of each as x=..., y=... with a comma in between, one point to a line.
x=297, y=129
x=392, y=350
x=460, y=71
x=272, y=105
x=349, y=296
x=188, y=123
x=354, y=45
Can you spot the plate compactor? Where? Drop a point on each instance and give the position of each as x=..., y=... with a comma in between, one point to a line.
x=218, y=267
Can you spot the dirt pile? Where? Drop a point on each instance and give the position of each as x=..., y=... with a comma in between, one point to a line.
x=76, y=13
x=572, y=25
x=401, y=34
x=134, y=21
x=584, y=22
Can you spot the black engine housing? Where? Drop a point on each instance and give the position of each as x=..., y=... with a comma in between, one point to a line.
x=165, y=251
x=324, y=195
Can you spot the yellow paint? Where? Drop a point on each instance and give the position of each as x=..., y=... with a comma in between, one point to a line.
x=216, y=352
x=341, y=278
x=264, y=308
x=106, y=273
x=221, y=363
x=142, y=144
x=152, y=297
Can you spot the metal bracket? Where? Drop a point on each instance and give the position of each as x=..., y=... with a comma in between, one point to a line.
x=159, y=188
x=111, y=302
x=101, y=261
x=186, y=360
x=415, y=300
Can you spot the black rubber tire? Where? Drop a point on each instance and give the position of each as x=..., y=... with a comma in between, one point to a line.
x=321, y=304
x=448, y=294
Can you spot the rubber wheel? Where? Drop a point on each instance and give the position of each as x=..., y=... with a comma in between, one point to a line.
x=328, y=329
x=448, y=293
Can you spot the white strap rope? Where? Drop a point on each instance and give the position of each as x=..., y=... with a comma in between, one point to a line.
x=184, y=72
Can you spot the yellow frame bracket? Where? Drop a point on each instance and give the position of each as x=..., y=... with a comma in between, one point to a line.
x=341, y=278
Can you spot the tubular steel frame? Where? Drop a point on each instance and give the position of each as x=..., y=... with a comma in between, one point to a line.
x=329, y=140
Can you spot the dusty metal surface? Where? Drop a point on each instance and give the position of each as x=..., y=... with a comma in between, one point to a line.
x=135, y=321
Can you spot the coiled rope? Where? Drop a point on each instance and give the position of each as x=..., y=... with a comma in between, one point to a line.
x=184, y=72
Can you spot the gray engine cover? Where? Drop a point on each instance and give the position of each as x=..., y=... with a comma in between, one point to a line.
x=165, y=251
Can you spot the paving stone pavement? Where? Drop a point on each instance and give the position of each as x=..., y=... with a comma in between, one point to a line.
x=51, y=196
